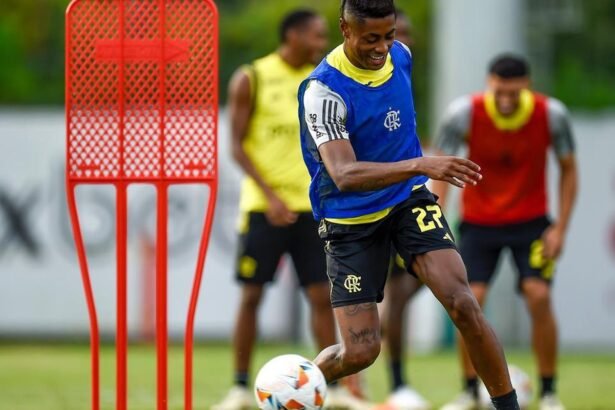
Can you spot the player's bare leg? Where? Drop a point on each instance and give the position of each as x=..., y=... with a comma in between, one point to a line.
x=321, y=315
x=244, y=336
x=544, y=328
x=444, y=273
x=360, y=346
x=480, y=293
x=399, y=290
x=323, y=329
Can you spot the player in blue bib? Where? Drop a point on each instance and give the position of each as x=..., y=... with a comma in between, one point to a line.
x=359, y=142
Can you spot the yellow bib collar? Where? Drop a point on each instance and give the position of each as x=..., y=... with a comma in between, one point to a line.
x=518, y=119
x=372, y=78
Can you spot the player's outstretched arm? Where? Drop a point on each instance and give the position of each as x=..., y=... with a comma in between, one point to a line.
x=352, y=175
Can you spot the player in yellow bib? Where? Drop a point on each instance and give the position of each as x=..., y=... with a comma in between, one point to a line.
x=275, y=211
x=271, y=142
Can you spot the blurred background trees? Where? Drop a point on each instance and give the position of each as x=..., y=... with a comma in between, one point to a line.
x=584, y=59
x=574, y=58
x=32, y=51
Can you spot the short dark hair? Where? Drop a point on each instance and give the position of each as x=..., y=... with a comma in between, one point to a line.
x=509, y=66
x=295, y=19
x=368, y=8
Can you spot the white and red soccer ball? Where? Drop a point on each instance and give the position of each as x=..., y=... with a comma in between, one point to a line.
x=290, y=382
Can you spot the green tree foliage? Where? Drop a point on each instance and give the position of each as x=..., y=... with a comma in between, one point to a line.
x=32, y=51
x=32, y=43
x=584, y=69
x=32, y=48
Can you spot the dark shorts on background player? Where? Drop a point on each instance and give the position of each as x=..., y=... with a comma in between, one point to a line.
x=358, y=256
x=481, y=246
x=262, y=246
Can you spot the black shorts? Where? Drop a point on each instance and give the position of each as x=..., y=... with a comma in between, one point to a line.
x=480, y=247
x=262, y=246
x=358, y=256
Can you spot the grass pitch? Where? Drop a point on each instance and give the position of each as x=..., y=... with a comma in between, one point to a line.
x=56, y=377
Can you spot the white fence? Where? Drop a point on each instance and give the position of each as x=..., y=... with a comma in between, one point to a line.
x=40, y=287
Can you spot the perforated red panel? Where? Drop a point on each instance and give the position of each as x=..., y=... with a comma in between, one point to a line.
x=142, y=90
x=141, y=106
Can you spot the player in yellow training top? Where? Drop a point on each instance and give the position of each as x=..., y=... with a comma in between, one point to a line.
x=275, y=208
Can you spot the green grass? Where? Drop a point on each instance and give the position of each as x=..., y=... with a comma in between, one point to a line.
x=56, y=377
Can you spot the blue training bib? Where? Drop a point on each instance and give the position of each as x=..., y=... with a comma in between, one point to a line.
x=381, y=122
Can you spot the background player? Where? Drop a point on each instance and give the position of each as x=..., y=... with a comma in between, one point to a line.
x=358, y=134
x=508, y=131
x=399, y=289
x=275, y=209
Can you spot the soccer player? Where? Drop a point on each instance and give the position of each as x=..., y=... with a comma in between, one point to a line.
x=358, y=135
x=275, y=215
x=509, y=130
x=399, y=289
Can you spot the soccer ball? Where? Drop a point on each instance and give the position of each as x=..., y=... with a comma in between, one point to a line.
x=521, y=383
x=290, y=382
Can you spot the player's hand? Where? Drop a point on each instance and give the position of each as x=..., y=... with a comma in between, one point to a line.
x=553, y=242
x=278, y=213
x=454, y=170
